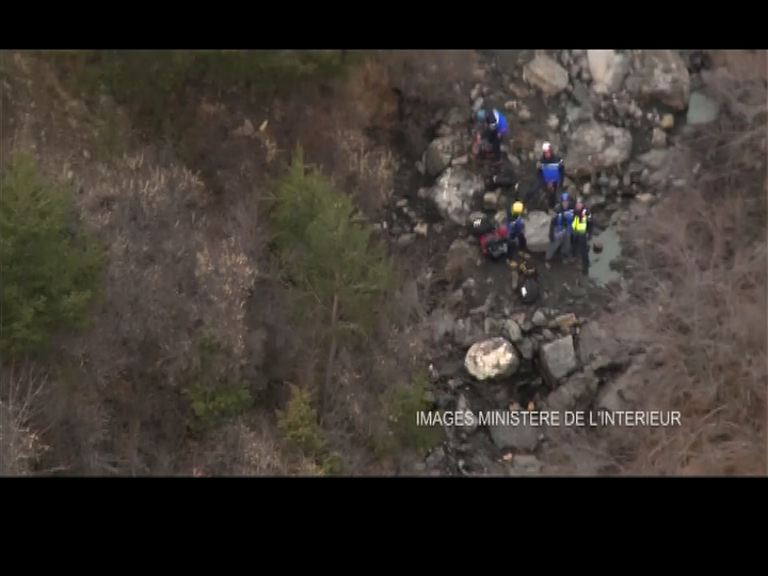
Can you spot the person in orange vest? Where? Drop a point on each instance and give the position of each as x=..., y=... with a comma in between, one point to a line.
x=582, y=234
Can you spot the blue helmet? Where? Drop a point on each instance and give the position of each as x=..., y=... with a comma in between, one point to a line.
x=564, y=197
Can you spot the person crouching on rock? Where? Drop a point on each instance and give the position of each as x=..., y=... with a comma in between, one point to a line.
x=493, y=240
x=496, y=129
x=516, y=227
x=561, y=229
x=582, y=234
x=551, y=172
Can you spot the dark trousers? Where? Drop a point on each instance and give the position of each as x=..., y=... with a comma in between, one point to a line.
x=494, y=139
x=518, y=242
x=581, y=248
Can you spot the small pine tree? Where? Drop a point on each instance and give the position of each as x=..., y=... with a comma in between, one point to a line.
x=338, y=277
x=49, y=268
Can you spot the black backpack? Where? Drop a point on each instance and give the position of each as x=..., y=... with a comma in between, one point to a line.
x=530, y=291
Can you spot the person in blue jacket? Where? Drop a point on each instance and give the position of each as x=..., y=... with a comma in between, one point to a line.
x=496, y=129
x=561, y=229
x=516, y=227
x=551, y=172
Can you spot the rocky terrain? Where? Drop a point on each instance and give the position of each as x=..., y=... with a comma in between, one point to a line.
x=187, y=241
x=617, y=117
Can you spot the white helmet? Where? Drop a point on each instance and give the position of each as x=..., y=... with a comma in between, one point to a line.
x=546, y=147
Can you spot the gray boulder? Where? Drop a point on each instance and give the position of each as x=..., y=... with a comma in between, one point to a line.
x=599, y=348
x=493, y=358
x=702, y=109
x=577, y=392
x=546, y=74
x=661, y=77
x=516, y=437
x=453, y=193
x=558, y=358
x=537, y=231
x=594, y=147
x=439, y=154
x=460, y=261
x=608, y=69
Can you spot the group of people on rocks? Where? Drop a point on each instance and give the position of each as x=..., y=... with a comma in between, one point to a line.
x=570, y=228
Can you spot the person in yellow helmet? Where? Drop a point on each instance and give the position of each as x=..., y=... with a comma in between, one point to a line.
x=516, y=226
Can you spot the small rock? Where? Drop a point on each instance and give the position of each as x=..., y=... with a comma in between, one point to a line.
x=524, y=114
x=406, y=240
x=659, y=138
x=421, y=229
x=478, y=103
x=667, y=122
x=553, y=122
x=654, y=158
x=701, y=109
x=567, y=321
x=547, y=334
x=475, y=93
x=518, y=318
x=613, y=183
x=514, y=160
x=460, y=161
x=423, y=193
x=86, y=155
x=646, y=197
x=436, y=458
x=246, y=130
x=526, y=464
x=539, y=319
x=402, y=203
x=597, y=246
x=514, y=333
x=526, y=348
x=586, y=189
x=627, y=180
x=510, y=105
x=491, y=200
x=597, y=201
x=70, y=174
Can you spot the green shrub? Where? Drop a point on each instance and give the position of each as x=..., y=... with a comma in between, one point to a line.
x=401, y=405
x=214, y=396
x=302, y=434
x=49, y=267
